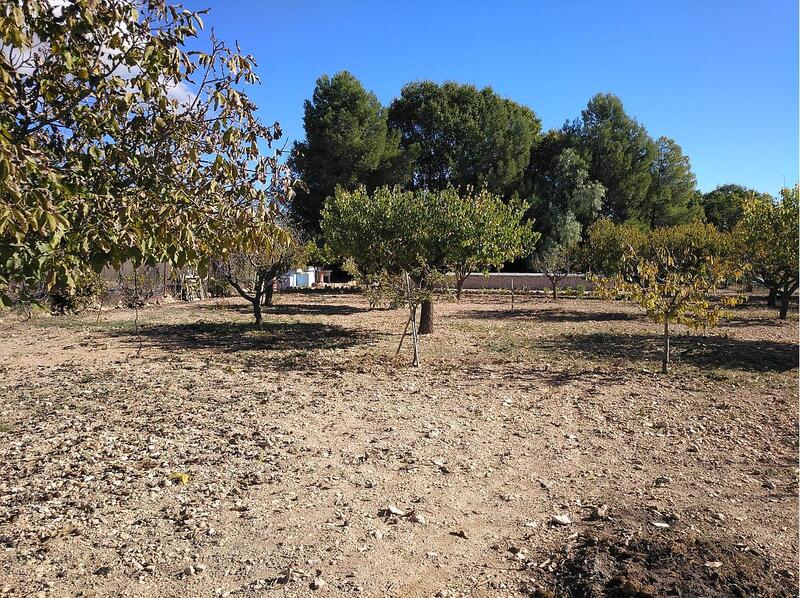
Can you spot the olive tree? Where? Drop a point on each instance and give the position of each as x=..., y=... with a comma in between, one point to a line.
x=424, y=234
x=674, y=274
x=767, y=238
x=118, y=143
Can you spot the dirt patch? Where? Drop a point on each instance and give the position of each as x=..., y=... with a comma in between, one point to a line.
x=611, y=561
x=306, y=459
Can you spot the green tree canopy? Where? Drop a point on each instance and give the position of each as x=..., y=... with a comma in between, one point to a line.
x=347, y=143
x=117, y=143
x=673, y=273
x=724, y=206
x=424, y=233
x=458, y=135
x=767, y=238
x=673, y=197
x=620, y=154
x=565, y=200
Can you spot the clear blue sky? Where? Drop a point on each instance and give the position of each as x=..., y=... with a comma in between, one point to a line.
x=718, y=76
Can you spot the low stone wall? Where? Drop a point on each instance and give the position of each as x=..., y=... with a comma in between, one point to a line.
x=523, y=281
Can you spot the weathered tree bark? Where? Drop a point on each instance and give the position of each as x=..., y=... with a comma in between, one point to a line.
x=786, y=296
x=257, y=312
x=665, y=357
x=426, y=317
x=555, y=289
x=773, y=293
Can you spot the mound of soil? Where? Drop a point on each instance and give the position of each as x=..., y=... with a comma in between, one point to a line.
x=646, y=567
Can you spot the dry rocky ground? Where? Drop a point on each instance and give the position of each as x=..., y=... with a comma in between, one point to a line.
x=535, y=452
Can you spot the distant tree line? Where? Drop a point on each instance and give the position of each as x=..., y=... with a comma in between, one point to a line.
x=433, y=136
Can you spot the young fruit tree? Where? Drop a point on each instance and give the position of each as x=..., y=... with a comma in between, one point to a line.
x=674, y=276
x=424, y=235
x=557, y=262
x=119, y=144
x=767, y=239
x=253, y=274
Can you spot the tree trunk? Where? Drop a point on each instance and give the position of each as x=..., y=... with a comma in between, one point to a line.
x=257, y=311
x=555, y=290
x=268, y=293
x=665, y=358
x=426, y=317
x=773, y=293
x=785, y=296
x=459, y=287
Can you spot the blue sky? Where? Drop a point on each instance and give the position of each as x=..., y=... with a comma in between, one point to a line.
x=719, y=77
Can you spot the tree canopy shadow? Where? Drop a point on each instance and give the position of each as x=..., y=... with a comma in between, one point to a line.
x=231, y=337
x=699, y=351
x=293, y=309
x=549, y=314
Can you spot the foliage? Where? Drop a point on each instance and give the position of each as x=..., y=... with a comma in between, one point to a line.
x=767, y=238
x=724, y=206
x=424, y=233
x=674, y=275
x=607, y=245
x=673, y=197
x=117, y=143
x=556, y=262
x=347, y=143
x=565, y=200
x=620, y=154
x=460, y=136
x=90, y=288
x=253, y=273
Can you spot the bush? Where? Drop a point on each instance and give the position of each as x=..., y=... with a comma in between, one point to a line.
x=218, y=287
x=89, y=289
x=137, y=288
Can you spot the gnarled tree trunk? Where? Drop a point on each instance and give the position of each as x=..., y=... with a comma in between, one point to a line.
x=665, y=357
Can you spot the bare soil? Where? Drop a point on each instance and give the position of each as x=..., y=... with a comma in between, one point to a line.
x=535, y=452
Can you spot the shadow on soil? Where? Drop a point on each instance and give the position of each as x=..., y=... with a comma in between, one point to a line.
x=232, y=337
x=297, y=309
x=703, y=352
x=548, y=314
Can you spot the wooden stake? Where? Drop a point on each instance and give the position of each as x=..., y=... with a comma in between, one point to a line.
x=413, y=320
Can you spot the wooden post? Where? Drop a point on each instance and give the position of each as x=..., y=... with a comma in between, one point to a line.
x=413, y=318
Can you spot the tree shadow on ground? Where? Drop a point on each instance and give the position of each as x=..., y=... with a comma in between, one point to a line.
x=549, y=314
x=231, y=337
x=699, y=351
x=296, y=309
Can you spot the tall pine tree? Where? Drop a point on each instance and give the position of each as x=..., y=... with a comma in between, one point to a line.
x=347, y=143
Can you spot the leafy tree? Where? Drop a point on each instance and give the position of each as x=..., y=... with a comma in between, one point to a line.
x=767, y=236
x=347, y=143
x=674, y=275
x=557, y=262
x=724, y=206
x=460, y=136
x=620, y=153
x=483, y=232
x=117, y=143
x=565, y=200
x=673, y=197
x=607, y=245
x=423, y=234
x=253, y=274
